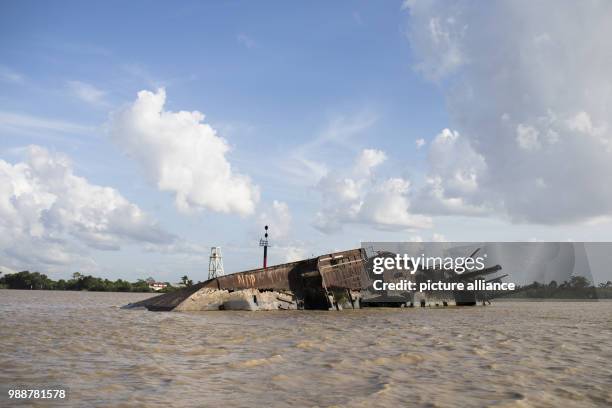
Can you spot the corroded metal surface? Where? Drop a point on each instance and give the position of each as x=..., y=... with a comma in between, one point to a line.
x=338, y=270
x=342, y=270
x=335, y=270
x=278, y=277
x=313, y=282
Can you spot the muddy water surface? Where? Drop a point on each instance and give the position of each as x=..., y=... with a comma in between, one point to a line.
x=511, y=354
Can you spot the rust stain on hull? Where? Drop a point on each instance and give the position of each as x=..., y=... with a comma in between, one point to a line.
x=304, y=278
x=314, y=283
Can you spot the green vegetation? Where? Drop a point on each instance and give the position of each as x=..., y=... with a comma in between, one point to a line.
x=186, y=281
x=578, y=287
x=39, y=281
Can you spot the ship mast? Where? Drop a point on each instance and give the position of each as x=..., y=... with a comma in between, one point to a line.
x=263, y=242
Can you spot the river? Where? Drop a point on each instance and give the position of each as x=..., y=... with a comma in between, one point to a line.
x=509, y=354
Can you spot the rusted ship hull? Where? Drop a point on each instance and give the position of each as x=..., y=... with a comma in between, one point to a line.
x=331, y=281
x=308, y=281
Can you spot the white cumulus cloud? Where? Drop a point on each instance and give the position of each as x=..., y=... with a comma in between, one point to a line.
x=48, y=214
x=455, y=173
x=358, y=197
x=368, y=159
x=527, y=137
x=530, y=106
x=182, y=155
x=277, y=217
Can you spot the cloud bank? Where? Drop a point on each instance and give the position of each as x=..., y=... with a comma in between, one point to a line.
x=529, y=91
x=182, y=155
x=359, y=197
x=48, y=214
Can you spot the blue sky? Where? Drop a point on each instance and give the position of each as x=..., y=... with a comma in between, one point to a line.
x=320, y=106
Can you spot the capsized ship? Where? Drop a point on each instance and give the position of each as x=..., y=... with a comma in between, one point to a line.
x=334, y=281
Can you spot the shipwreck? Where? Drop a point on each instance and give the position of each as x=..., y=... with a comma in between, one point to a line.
x=334, y=281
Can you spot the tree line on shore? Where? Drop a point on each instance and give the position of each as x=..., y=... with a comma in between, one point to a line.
x=577, y=287
x=39, y=281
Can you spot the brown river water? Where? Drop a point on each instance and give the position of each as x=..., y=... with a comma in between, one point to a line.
x=509, y=354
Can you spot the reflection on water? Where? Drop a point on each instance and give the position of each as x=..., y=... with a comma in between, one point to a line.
x=508, y=354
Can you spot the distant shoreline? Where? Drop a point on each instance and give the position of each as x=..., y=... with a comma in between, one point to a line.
x=79, y=291
x=505, y=299
x=27, y=280
x=495, y=300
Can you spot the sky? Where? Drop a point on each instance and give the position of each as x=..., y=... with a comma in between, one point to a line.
x=136, y=135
